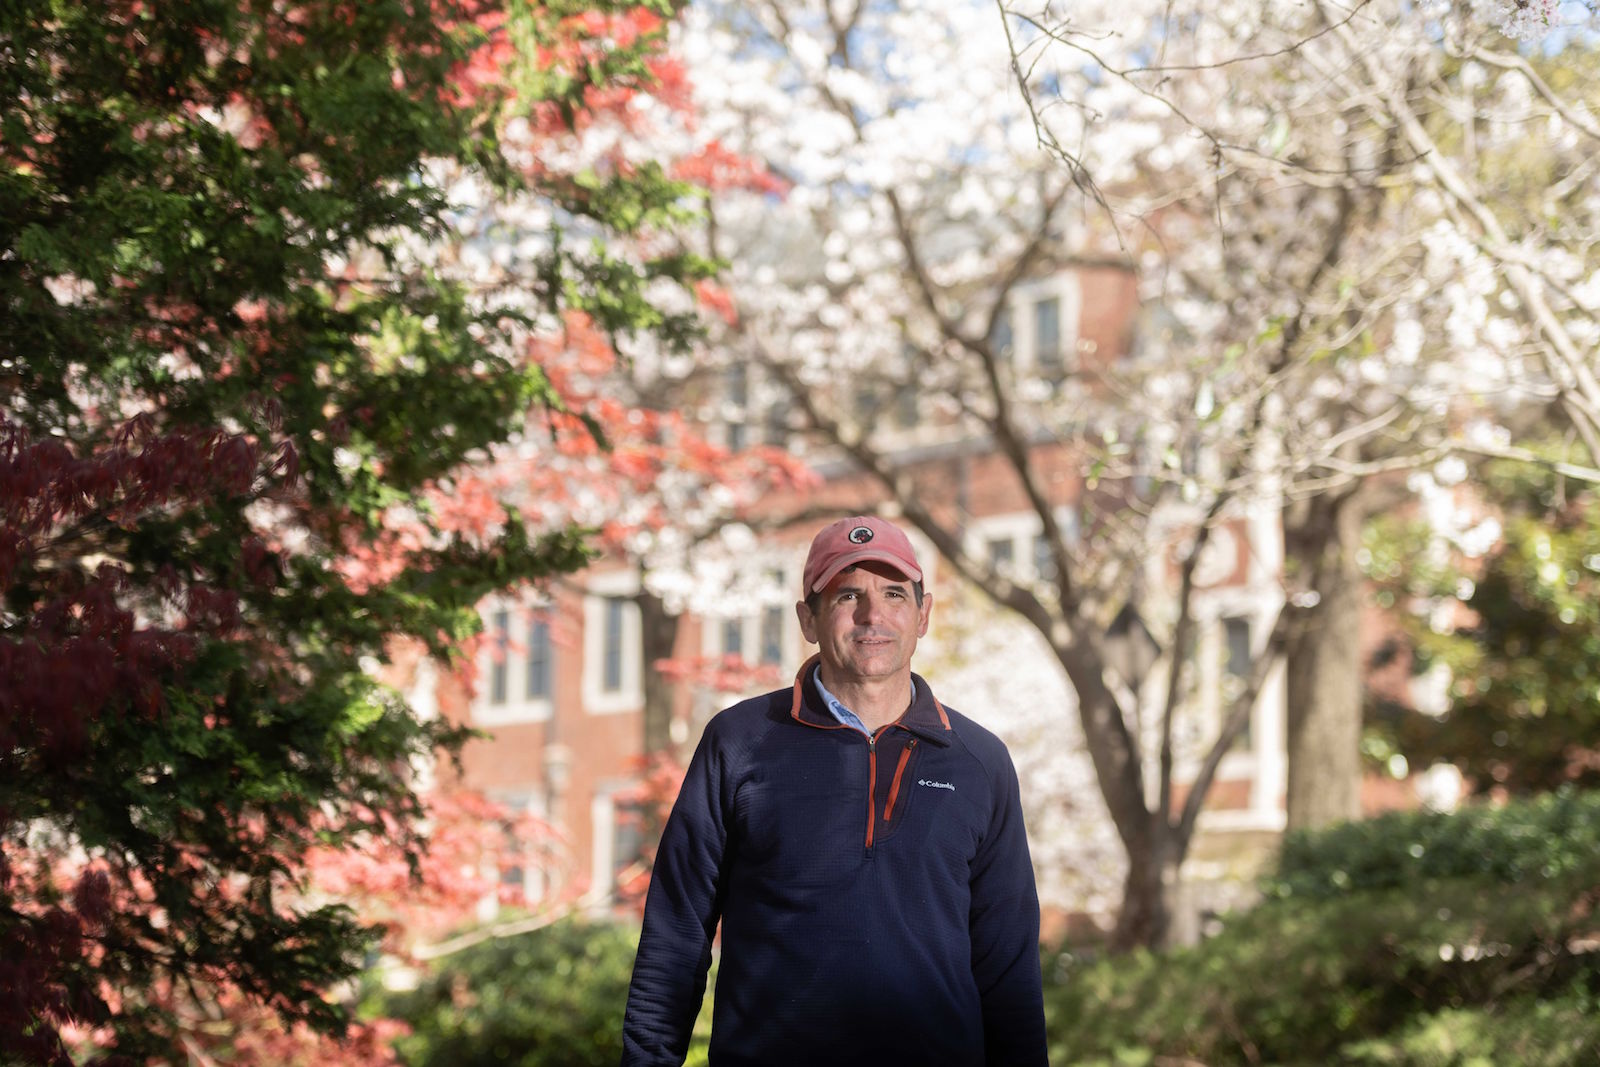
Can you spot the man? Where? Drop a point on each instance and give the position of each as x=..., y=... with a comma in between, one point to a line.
x=863, y=848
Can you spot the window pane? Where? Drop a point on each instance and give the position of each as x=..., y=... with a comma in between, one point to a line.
x=1238, y=631
x=1236, y=670
x=776, y=422
x=1000, y=340
x=738, y=385
x=611, y=676
x=868, y=403
x=1001, y=551
x=1044, y=562
x=732, y=637
x=772, y=635
x=499, y=669
x=627, y=837
x=737, y=381
x=905, y=406
x=1047, y=336
x=538, y=661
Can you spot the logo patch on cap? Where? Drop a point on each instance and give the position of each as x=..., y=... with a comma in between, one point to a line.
x=860, y=535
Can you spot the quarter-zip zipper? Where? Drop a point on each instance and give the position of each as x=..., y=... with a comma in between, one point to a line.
x=872, y=785
x=894, y=786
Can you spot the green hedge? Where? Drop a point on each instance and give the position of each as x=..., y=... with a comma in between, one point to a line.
x=553, y=997
x=1472, y=952
x=1416, y=939
x=1530, y=840
x=550, y=998
x=1554, y=1030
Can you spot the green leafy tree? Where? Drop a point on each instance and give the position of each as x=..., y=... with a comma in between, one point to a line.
x=228, y=377
x=1523, y=713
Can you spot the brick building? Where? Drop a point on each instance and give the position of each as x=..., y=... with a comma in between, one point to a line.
x=561, y=683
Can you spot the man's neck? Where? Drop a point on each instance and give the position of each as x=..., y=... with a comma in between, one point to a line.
x=877, y=702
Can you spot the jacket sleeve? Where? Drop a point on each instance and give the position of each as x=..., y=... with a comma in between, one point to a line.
x=680, y=917
x=1004, y=925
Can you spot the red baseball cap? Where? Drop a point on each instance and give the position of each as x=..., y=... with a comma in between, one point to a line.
x=855, y=540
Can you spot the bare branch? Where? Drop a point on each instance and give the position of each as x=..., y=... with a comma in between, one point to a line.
x=1509, y=61
x=1574, y=471
x=1569, y=366
x=1182, y=635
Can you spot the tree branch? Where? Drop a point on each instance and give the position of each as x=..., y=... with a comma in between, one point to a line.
x=1238, y=719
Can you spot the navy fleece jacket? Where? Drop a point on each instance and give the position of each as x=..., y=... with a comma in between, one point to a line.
x=876, y=897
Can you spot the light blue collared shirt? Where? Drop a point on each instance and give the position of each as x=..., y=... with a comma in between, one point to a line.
x=845, y=716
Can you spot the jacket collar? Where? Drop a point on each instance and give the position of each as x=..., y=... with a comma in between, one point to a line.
x=925, y=717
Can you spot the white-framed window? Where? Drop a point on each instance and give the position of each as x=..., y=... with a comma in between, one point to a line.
x=772, y=642
x=903, y=395
x=516, y=663
x=733, y=637
x=538, y=662
x=1236, y=657
x=907, y=415
x=530, y=876
x=754, y=409
x=1002, y=338
x=612, y=645
x=775, y=424
x=499, y=656
x=1015, y=546
x=1048, y=356
x=613, y=651
x=1037, y=329
x=736, y=393
x=617, y=831
x=762, y=636
x=423, y=696
x=1044, y=559
x=1234, y=625
x=1002, y=553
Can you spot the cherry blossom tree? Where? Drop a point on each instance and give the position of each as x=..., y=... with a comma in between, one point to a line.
x=920, y=206
x=984, y=656
x=1305, y=339
x=1440, y=309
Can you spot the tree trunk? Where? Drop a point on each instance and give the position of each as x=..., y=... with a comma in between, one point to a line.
x=659, y=639
x=1145, y=916
x=1323, y=662
x=1148, y=892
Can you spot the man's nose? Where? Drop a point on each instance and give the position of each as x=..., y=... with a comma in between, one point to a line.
x=868, y=608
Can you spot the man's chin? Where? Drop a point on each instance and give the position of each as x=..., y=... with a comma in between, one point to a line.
x=875, y=667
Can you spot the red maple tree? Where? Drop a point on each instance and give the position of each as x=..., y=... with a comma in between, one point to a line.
x=244, y=451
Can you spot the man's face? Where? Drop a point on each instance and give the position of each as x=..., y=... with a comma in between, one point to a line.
x=866, y=624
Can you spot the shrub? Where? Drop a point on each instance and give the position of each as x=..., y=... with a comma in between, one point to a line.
x=550, y=998
x=1541, y=838
x=1551, y=1031
x=1406, y=959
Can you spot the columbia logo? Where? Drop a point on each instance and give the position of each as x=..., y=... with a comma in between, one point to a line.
x=930, y=783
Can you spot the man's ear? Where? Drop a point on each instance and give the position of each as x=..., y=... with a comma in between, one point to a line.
x=927, y=613
x=808, y=624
